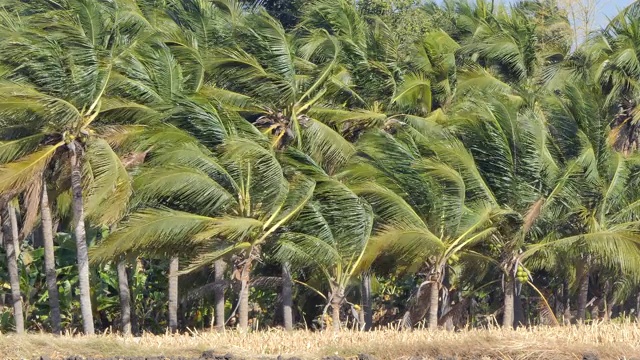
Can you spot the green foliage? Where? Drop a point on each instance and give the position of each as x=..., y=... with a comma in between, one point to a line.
x=405, y=18
x=459, y=143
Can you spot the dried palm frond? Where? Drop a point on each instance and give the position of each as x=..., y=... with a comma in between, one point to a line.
x=418, y=305
x=458, y=315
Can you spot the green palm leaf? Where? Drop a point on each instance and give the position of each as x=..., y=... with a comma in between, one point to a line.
x=14, y=149
x=414, y=93
x=110, y=188
x=152, y=230
x=17, y=175
x=182, y=185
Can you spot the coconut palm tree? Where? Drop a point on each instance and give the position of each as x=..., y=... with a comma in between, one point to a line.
x=601, y=225
x=497, y=150
x=330, y=235
x=285, y=77
x=614, y=57
x=424, y=232
x=503, y=171
x=54, y=109
x=387, y=85
x=218, y=205
x=430, y=252
x=199, y=108
x=608, y=59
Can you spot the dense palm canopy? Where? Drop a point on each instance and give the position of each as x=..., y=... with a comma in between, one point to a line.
x=393, y=160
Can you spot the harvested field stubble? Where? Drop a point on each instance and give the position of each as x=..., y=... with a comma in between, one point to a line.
x=596, y=341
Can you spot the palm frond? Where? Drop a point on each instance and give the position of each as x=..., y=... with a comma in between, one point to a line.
x=22, y=101
x=31, y=207
x=195, y=157
x=232, y=229
x=152, y=230
x=209, y=257
x=302, y=250
x=390, y=207
x=19, y=174
x=110, y=187
x=325, y=145
x=184, y=185
x=411, y=247
x=13, y=149
x=414, y=93
x=260, y=172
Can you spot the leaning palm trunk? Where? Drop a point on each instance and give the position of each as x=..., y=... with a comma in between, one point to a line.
x=637, y=306
x=13, y=219
x=243, y=307
x=49, y=260
x=138, y=271
x=287, y=297
x=509, y=301
x=125, y=298
x=245, y=277
x=218, y=294
x=433, y=305
x=81, y=239
x=583, y=292
x=173, y=294
x=366, y=301
x=10, y=230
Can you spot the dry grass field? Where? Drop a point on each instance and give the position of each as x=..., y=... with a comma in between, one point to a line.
x=604, y=341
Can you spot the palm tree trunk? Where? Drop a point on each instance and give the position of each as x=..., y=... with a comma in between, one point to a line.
x=433, y=305
x=606, y=304
x=50, y=260
x=337, y=297
x=566, y=300
x=10, y=231
x=243, y=307
x=125, y=298
x=81, y=240
x=366, y=301
x=218, y=294
x=335, y=316
x=557, y=301
x=287, y=297
x=583, y=292
x=509, y=296
x=519, y=311
x=13, y=218
x=173, y=294
x=137, y=322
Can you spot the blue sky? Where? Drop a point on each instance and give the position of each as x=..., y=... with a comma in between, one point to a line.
x=609, y=8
